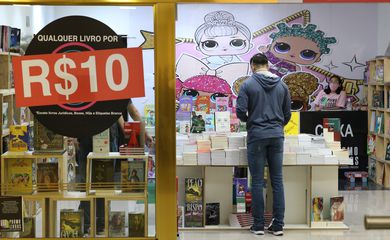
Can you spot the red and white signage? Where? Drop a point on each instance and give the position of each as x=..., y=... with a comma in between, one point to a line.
x=88, y=76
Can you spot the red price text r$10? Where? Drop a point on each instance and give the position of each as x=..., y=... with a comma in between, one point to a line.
x=61, y=78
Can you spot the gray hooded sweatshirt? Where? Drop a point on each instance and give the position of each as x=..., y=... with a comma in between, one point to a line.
x=264, y=102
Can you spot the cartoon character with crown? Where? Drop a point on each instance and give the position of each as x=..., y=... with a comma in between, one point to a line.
x=295, y=46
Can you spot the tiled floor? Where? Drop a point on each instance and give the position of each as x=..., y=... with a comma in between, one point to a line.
x=358, y=204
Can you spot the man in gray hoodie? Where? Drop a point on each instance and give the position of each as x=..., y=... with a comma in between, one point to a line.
x=264, y=102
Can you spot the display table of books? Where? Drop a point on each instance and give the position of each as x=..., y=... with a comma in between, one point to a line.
x=207, y=168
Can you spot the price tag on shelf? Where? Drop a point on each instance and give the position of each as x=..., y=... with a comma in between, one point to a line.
x=87, y=76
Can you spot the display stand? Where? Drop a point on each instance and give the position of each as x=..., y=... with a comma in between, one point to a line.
x=118, y=191
x=301, y=184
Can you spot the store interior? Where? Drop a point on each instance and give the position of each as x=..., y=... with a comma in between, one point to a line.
x=352, y=41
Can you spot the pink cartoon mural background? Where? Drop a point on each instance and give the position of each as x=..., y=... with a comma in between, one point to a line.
x=215, y=61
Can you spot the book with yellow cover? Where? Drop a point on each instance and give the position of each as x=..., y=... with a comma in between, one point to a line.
x=18, y=138
x=20, y=175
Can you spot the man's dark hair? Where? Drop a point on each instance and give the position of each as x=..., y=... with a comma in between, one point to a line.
x=259, y=59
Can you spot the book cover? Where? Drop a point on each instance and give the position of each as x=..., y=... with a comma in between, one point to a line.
x=136, y=225
x=337, y=207
x=184, y=127
x=149, y=115
x=183, y=113
x=47, y=177
x=18, y=138
x=209, y=121
x=241, y=186
x=234, y=124
x=5, y=115
x=151, y=167
x=20, y=175
x=317, y=209
x=28, y=228
x=11, y=214
x=212, y=214
x=198, y=123
x=116, y=224
x=372, y=121
x=136, y=133
x=136, y=175
x=203, y=104
x=14, y=40
x=379, y=73
x=180, y=216
x=222, y=104
x=333, y=125
x=24, y=113
x=222, y=121
x=71, y=223
x=102, y=172
x=46, y=140
x=372, y=169
x=371, y=145
x=101, y=142
x=387, y=155
x=194, y=202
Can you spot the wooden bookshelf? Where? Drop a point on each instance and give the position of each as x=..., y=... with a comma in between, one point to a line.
x=379, y=83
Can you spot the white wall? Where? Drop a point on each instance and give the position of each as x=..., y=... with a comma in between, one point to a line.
x=383, y=29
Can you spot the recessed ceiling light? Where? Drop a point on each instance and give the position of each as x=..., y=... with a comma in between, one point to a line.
x=128, y=8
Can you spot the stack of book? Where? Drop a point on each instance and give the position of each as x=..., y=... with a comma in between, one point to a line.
x=219, y=141
x=124, y=150
x=243, y=156
x=190, y=158
x=232, y=157
x=218, y=157
x=236, y=141
x=204, y=157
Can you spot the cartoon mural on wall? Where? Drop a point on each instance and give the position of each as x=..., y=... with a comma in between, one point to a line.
x=215, y=62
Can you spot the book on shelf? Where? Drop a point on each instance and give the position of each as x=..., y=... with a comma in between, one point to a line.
x=24, y=115
x=317, y=209
x=184, y=127
x=136, y=225
x=184, y=111
x=45, y=140
x=241, y=186
x=102, y=173
x=180, y=216
x=193, y=202
x=20, y=175
x=14, y=44
x=149, y=115
x=198, y=123
x=212, y=214
x=222, y=121
x=19, y=138
x=378, y=99
x=371, y=144
x=337, y=207
x=234, y=124
x=372, y=121
x=11, y=214
x=379, y=124
x=379, y=73
x=209, y=121
x=116, y=224
x=47, y=177
x=136, y=175
x=387, y=154
x=372, y=169
x=101, y=142
x=222, y=104
x=71, y=223
x=203, y=104
x=28, y=228
x=5, y=115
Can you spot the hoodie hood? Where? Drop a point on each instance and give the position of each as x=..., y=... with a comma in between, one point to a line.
x=267, y=80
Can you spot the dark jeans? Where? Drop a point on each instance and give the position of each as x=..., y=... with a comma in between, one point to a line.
x=259, y=152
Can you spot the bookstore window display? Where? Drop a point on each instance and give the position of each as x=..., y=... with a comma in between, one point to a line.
x=52, y=174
